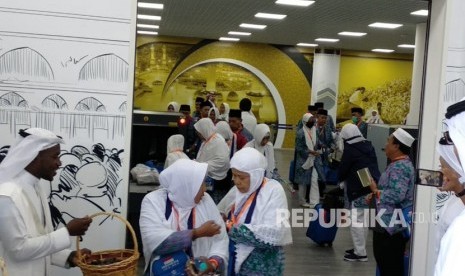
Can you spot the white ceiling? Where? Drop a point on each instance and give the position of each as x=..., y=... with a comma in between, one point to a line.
x=325, y=18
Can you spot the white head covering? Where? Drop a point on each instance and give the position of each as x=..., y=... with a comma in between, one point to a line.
x=217, y=112
x=456, y=127
x=351, y=134
x=175, y=106
x=225, y=115
x=224, y=130
x=174, y=149
x=404, y=137
x=205, y=127
x=261, y=130
x=26, y=148
x=183, y=180
x=250, y=161
x=448, y=154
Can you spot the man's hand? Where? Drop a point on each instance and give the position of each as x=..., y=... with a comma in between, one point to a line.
x=208, y=229
x=72, y=258
x=78, y=226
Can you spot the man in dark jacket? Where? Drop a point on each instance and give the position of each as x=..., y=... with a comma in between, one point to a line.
x=358, y=154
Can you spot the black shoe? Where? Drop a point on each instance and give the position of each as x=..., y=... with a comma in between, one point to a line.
x=350, y=251
x=355, y=258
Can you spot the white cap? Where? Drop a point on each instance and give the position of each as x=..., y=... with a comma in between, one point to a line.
x=404, y=137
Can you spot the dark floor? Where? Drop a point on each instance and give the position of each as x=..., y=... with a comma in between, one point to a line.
x=304, y=257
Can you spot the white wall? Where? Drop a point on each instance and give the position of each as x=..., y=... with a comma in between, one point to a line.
x=67, y=66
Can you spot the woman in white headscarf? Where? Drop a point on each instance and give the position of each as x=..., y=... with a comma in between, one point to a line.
x=306, y=155
x=215, y=152
x=224, y=112
x=261, y=142
x=256, y=236
x=230, y=137
x=451, y=253
x=174, y=148
x=180, y=217
x=214, y=115
x=172, y=107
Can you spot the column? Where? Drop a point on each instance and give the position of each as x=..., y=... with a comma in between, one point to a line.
x=325, y=80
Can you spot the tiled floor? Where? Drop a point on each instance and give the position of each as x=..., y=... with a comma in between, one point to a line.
x=304, y=257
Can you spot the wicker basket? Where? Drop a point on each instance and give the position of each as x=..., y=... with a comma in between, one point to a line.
x=3, y=267
x=126, y=259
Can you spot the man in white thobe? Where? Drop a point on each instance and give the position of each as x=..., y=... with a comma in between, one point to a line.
x=28, y=242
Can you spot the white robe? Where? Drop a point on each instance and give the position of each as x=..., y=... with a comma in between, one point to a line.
x=155, y=228
x=249, y=121
x=26, y=251
x=174, y=149
x=452, y=253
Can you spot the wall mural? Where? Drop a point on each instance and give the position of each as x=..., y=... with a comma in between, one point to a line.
x=68, y=72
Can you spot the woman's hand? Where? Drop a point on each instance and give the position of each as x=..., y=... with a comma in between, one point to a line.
x=450, y=181
x=208, y=229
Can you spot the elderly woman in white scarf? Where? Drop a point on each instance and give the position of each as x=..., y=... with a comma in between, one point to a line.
x=215, y=152
x=306, y=158
x=256, y=235
x=224, y=112
x=452, y=158
x=261, y=142
x=174, y=148
x=172, y=107
x=181, y=221
x=214, y=115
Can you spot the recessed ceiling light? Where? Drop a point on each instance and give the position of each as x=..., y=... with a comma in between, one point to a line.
x=252, y=26
x=385, y=25
x=229, y=38
x=307, y=44
x=149, y=17
x=406, y=46
x=383, y=50
x=147, y=32
x=420, y=13
x=238, y=33
x=150, y=5
x=300, y=3
x=147, y=26
x=352, y=33
x=270, y=15
x=321, y=39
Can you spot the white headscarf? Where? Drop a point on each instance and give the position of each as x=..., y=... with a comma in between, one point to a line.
x=174, y=149
x=250, y=161
x=351, y=134
x=261, y=130
x=224, y=130
x=456, y=127
x=175, y=106
x=225, y=115
x=25, y=150
x=216, y=111
x=205, y=127
x=447, y=152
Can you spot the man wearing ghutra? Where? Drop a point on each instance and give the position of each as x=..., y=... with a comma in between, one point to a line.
x=27, y=239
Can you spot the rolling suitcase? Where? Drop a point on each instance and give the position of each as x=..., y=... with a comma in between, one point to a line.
x=320, y=234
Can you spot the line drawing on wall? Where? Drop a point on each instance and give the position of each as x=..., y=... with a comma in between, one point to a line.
x=119, y=122
x=13, y=111
x=25, y=64
x=107, y=67
x=89, y=119
x=455, y=91
x=89, y=179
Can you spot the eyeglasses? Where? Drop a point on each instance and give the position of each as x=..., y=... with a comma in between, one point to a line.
x=445, y=139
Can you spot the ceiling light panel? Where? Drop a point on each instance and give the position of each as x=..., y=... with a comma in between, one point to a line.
x=149, y=17
x=252, y=26
x=147, y=26
x=299, y=3
x=420, y=13
x=352, y=34
x=239, y=33
x=385, y=25
x=229, y=38
x=150, y=6
x=147, y=32
x=321, y=39
x=270, y=15
x=382, y=50
x=307, y=44
x=406, y=46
